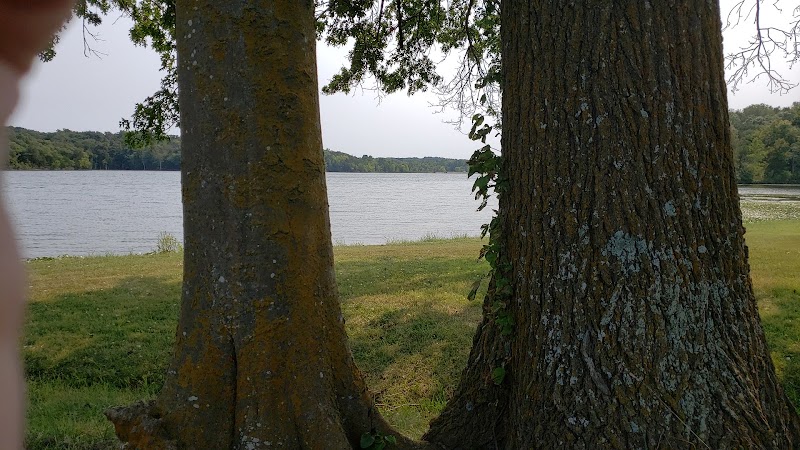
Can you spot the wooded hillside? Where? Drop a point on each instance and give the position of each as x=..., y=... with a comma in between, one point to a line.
x=86, y=150
x=766, y=146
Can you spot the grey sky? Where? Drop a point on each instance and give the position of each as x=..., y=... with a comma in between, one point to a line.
x=82, y=93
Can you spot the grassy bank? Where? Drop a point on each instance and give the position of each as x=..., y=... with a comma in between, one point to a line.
x=100, y=329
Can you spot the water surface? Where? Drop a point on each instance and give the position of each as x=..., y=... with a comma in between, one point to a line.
x=100, y=212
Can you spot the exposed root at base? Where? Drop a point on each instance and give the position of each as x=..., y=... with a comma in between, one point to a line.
x=140, y=426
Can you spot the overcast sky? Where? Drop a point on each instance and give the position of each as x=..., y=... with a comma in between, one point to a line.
x=94, y=93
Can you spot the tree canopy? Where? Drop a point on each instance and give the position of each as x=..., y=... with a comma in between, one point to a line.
x=766, y=144
x=400, y=44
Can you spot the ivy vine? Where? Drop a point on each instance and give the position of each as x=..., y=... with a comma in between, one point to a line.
x=374, y=440
x=488, y=165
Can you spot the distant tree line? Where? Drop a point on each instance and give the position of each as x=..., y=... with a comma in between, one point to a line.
x=86, y=150
x=766, y=143
x=766, y=148
x=92, y=150
x=342, y=162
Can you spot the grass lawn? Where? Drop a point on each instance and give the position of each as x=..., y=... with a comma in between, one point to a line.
x=775, y=270
x=99, y=330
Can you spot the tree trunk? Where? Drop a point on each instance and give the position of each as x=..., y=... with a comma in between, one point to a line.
x=635, y=324
x=261, y=358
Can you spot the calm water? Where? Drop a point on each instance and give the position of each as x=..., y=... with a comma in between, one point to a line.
x=80, y=213
x=770, y=192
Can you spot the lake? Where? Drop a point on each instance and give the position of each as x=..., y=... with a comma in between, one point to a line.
x=120, y=212
x=770, y=192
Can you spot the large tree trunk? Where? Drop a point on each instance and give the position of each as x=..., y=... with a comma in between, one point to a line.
x=261, y=358
x=635, y=321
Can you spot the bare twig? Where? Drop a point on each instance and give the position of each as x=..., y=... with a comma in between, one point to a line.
x=757, y=55
x=88, y=50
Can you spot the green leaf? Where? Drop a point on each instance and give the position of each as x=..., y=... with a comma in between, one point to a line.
x=481, y=184
x=498, y=374
x=474, y=290
x=391, y=439
x=484, y=230
x=505, y=320
x=491, y=257
x=367, y=439
x=500, y=283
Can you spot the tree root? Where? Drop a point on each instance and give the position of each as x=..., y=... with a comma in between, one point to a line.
x=140, y=426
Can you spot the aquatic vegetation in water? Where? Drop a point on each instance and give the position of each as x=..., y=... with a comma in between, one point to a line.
x=758, y=210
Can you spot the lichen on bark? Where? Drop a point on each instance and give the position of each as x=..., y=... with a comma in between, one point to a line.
x=634, y=317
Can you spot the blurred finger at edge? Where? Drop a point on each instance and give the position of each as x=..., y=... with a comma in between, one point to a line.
x=24, y=32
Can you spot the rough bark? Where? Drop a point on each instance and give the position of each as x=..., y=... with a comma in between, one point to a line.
x=261, y=357
x=635, y=320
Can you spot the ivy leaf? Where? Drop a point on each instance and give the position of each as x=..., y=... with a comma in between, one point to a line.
x=367, y=439
x=484, y=230
x=481, y=185
x=474, y=290
x=498, y=375
x=491, y=257
x=390, y=439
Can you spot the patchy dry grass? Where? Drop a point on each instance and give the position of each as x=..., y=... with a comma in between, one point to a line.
x=99, y=329
x=775, y=270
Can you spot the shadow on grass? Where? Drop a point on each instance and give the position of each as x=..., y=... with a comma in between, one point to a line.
x=410, y=328
x=782, y=328
x=118, y=337
x=85, y=352
x=412, y=358
x=90, y=350
x=422, y=344
x=398, y=276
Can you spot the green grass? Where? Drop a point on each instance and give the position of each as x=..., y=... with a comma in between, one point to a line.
x=409, y=322
x=100, y=329
x=98, y=334
x=775, y=270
